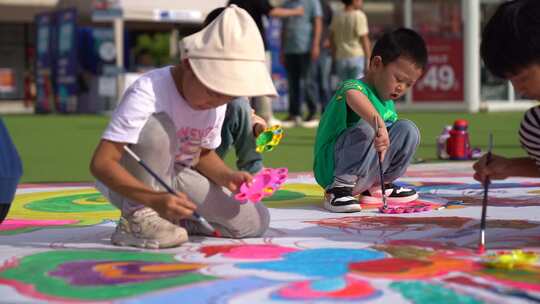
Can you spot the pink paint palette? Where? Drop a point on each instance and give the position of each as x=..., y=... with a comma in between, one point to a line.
x=406, y=209
x=264, y=184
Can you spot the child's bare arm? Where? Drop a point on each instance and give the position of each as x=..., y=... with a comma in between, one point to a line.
x=361, y=105
x=332, y=45
x=281, y=12
x=105, y=166
x=213, y=167
x=501, y=168
x=366, y=46
x=258, y=124
x=316, y=41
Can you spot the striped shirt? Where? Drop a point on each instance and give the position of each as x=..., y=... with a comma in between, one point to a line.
x=529, y=133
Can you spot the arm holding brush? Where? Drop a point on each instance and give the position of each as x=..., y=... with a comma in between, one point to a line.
x=106, y=167
x=502, y=167
x=361, y=105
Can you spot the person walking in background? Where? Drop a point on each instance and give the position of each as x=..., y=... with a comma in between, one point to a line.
x=350, y=41
x=300, y=48
x=319, y=78
x=257, y=9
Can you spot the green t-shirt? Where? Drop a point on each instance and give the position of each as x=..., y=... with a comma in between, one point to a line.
x=337, y=118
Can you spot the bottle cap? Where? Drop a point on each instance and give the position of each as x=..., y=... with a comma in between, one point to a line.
x=461, y=124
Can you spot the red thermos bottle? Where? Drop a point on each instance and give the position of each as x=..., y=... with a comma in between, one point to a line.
x=458, y=146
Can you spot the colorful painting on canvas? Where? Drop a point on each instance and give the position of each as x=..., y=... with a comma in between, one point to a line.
x=54, y=247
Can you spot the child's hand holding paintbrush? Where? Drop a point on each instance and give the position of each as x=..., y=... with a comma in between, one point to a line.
x=381, y=142
x=197, y=216
x=499, y=167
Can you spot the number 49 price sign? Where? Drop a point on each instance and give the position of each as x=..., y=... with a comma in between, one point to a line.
x=443, y=79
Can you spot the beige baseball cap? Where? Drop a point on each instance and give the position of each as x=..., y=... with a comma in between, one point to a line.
x=228, y=56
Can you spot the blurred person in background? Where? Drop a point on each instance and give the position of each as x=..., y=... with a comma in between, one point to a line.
x=300, y=48
x=350, y=41
x=319, y=81
x=257, y=9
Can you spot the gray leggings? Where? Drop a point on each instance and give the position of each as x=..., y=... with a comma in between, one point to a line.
x=356, y=161
x=156, y=147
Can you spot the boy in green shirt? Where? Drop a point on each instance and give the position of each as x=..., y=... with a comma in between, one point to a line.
x=346, y=148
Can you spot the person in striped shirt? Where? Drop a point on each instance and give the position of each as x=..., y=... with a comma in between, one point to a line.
x=511, y=50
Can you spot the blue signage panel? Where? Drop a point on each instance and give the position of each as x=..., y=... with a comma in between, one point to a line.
x=44, y=63
x=279, y=74
x=66, y=61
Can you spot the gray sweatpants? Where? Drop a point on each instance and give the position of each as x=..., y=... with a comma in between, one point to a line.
x=156, y=147
x=356, y=160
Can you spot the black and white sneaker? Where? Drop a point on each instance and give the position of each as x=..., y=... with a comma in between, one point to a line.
x=394, y=194
x=340, y=199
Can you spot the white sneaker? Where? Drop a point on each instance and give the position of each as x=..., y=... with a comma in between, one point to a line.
x=340, y=199
x=310, y=124
x=146, y=229
x=394, y=195
x=291, y=122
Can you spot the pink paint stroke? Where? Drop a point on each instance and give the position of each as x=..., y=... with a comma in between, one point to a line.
x=14, y=224
x=51, y=185
x=258, y=252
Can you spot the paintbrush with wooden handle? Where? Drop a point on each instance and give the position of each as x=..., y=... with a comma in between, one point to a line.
x=197, y=216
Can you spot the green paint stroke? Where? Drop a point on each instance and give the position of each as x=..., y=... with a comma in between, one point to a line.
x=68, y=204
x=405, y=252
x=291, y=199
x=34, y=270
x=32, y=229
x=303, y=202
x=529, y=276
x=284, y=195
x=425, y=293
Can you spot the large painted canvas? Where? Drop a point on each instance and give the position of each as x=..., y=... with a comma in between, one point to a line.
x=54, y=248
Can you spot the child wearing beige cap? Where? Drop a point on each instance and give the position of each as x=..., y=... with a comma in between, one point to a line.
x=172, y=118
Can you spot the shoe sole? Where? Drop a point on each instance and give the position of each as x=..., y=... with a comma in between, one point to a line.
x=342, y=209
x=126, y=240
x=373, y=200
x=288, y=124
x=310, y=124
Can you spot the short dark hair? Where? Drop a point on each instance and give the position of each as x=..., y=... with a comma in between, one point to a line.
x=347, y=2
x=401, y=42
x=511, y=38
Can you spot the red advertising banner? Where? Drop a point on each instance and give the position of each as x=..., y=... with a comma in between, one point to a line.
x=443, y=79
x=8, y=82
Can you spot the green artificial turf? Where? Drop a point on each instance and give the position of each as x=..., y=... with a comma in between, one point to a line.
x=58, y=148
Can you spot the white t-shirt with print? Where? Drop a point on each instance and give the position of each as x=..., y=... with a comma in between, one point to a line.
x=155, y=92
